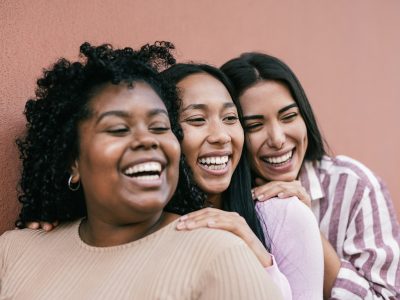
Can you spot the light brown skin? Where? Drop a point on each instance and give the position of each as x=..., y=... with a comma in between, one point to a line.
x=210, y=125
x=275, y=127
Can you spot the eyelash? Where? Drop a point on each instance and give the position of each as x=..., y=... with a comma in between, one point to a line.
x=119, y=130
x=195, y=121
x=289, y=117
x=160, y=129
x=231, y=119
x=252, y=126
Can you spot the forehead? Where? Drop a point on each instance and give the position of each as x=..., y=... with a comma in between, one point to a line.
x=266, y=95
x=202, y=89
x=138, y=97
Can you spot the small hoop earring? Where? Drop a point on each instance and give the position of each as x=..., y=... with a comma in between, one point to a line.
x=73, y=187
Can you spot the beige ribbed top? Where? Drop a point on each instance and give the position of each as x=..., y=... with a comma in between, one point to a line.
x=168, y=264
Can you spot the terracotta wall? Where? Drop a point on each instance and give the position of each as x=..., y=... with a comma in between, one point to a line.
x=346, y=53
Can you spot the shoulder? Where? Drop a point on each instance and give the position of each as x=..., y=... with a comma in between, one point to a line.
x=18, y=241
x=290, y=208
x=289, y=215
x=344, y=165
x=205, y=243
x=210, y=238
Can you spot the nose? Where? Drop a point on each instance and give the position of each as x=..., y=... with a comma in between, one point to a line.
x=143, y=139
x=218, y=133
x=276, y=136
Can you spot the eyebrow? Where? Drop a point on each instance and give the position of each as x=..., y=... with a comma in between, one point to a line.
x=253, y=117
x=125, y=114
x=257, y=117
x=287, y=108
x=204, y=106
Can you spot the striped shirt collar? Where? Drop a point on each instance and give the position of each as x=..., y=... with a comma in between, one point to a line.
x=310, y=178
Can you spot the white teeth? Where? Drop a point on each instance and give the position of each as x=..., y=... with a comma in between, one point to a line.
x=150, y=166
x=280, y=159
x=214, y=160
x=148, y=177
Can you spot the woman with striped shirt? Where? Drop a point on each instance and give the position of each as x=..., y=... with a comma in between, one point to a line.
x=359, y=230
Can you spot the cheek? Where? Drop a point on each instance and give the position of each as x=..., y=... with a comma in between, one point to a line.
x=98, y=155
x=253, y=143
x=191, y=143
x=174, y=150
x=300, y=131
x=237, y=136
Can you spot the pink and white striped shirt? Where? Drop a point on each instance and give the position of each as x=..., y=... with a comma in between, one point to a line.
x=356, y=215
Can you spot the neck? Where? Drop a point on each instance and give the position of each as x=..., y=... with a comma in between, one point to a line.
x=99, y=233
x=214, y=200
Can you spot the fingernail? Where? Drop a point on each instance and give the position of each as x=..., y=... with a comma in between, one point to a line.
x=33, y=226
x=281, y=195
x=211, y=223
x=47, y=227
x=260, y=197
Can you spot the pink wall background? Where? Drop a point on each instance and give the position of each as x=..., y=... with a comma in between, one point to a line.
x=346, y=54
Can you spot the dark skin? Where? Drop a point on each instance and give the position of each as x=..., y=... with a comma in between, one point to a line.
x=128, y=129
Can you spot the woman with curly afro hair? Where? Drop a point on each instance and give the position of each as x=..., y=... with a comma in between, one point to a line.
x=101, y=156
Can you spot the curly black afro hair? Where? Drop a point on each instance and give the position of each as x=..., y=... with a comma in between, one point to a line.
x=51, y=141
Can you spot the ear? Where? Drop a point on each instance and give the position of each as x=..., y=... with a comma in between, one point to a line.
x=75, y=171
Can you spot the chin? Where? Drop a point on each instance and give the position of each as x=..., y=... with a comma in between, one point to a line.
x=214, y=188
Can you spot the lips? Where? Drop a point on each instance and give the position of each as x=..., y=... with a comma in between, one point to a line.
x=278, y=160
x=215, y=163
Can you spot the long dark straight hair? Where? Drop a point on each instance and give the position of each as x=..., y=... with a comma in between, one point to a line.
x=253, y=67
x=237, y=197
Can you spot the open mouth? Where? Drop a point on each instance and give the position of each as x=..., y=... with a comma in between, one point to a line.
x=146, y=171
x=214, y=162
x=279, y=160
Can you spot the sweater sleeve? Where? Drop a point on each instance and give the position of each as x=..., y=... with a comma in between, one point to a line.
x=296, y=245
x=279, y=279
x=2, y=257
x=235, y=273
x=370, y=268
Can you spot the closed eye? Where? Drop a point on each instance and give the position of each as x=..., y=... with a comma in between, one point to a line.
x=289, y=117
x=231, y=119
x=196, y=121
x=252, y=126
x=160, y=129
x=121, y=130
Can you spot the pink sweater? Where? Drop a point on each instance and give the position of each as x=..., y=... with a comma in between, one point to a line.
x=298, y=267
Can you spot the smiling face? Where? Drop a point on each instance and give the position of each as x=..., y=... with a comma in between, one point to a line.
x=276, y=134
x=128, y=156
x=213, y=136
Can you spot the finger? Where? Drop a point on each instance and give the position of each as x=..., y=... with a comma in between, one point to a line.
x=33, y=225
x=203, y=211
x=262, y=189
x=270, y=192
x=209, y=220
x=201, y=220
x=46, y=226
x=191, y=224
x=300, y=193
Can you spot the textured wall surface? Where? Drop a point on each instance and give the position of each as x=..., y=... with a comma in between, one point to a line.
x=346, y=54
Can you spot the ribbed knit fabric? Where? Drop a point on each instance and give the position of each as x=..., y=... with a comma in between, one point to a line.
x=168, y=264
